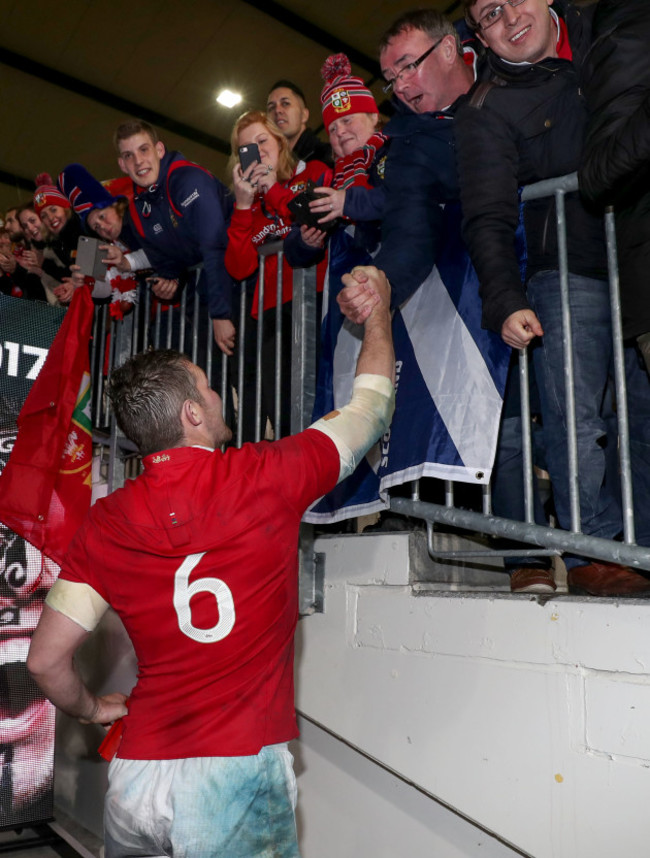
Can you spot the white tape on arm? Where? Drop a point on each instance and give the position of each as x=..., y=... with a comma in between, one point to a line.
x=355, y=427
x=77, y=601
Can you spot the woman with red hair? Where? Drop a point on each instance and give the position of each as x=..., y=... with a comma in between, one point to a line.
x=261, y=214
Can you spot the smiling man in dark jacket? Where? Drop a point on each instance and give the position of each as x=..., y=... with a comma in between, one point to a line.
x=524, y=122
x=180, y=212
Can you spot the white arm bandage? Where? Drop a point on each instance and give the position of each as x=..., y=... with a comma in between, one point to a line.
x=79, y=602
x=355, y=427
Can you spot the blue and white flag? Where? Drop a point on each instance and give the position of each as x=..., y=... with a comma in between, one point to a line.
x=450, y=379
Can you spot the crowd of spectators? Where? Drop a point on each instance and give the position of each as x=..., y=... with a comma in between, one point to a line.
x=481, y=108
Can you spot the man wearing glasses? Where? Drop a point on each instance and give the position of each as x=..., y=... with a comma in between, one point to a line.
x=523, y=122
x=427, y=69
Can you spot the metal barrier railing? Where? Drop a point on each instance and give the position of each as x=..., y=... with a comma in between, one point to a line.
x=554, y=540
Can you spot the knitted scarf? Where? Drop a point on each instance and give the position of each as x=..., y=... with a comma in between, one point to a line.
x=353, y=169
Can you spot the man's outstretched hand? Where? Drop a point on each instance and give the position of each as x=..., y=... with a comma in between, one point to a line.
x=364, y=288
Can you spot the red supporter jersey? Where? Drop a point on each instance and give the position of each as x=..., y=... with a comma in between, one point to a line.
x=198, y=556
x=250, y=228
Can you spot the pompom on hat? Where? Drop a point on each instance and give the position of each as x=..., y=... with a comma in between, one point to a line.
x=83, y=191
x=343, y=93
x=47, y=194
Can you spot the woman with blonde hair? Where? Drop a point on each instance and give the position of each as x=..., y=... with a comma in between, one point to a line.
x=261, y=214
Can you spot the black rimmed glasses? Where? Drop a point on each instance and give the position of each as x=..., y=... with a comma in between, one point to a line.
x=409, y=69
x=495, y=13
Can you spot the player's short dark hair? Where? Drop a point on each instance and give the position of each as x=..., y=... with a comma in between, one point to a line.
x=147, y=393
x=131, y=127
x=288, y=84
x=429, y=21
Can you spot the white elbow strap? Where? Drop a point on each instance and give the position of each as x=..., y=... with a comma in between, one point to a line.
x=355, y=427
x=79, y=602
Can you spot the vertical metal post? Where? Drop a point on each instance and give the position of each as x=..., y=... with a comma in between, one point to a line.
x=303, y=348
x=258, y=354
x=183, y=320
x=156, y=329
x=487, y=500
x=224, y=377
x=121, y=349
x=146, y=319
x=169, y=315
x=303, y=386
x=101, y=347
x=619, y=378
x=449, y=493
x=567, y=342
x=136, y=324
x=277, y=408
x=526, y=442
x=95, y=369
x=195, y=323
x=209, y=355
x=240, y=364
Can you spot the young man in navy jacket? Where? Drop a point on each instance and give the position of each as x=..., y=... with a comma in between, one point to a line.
x=180, y=212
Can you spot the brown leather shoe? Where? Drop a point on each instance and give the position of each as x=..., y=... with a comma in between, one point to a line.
x=529, y=579
x=607, y=579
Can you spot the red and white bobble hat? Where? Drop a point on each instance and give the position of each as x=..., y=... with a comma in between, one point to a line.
x=343, y=93
x=47, y=194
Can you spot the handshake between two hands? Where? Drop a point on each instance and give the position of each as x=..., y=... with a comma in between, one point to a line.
x=365, y=287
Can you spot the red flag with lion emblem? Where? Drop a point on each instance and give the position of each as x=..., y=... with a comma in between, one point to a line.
x=45, y=488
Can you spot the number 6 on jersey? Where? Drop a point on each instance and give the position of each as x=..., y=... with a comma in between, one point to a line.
x=183, y=592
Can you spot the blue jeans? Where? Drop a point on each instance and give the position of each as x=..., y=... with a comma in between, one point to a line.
x=599, y=496
x=598, y=486
x=508, y=471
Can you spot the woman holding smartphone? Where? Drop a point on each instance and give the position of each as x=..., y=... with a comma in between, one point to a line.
x=262, y=191
x=102, y=210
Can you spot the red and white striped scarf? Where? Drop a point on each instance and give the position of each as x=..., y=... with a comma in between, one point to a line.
x=353, y=169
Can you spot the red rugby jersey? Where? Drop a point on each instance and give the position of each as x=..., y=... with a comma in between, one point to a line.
x=198, y=556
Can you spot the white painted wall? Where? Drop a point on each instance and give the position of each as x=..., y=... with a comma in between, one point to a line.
x=528, y=717
x=350, y=806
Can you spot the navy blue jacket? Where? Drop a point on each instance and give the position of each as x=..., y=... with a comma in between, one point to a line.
x=182, y=221
x=420, y=175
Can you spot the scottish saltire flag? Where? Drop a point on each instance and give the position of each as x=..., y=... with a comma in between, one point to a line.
x=450, y=381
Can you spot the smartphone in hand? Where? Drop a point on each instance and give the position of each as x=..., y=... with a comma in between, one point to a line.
x=89, y=257
x=248, y=155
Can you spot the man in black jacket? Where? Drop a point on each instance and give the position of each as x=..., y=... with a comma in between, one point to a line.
x=524, y=121
x=615, y=167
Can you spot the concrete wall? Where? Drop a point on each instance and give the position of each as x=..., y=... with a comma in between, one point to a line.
x=349, y=805
x=528, y=716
